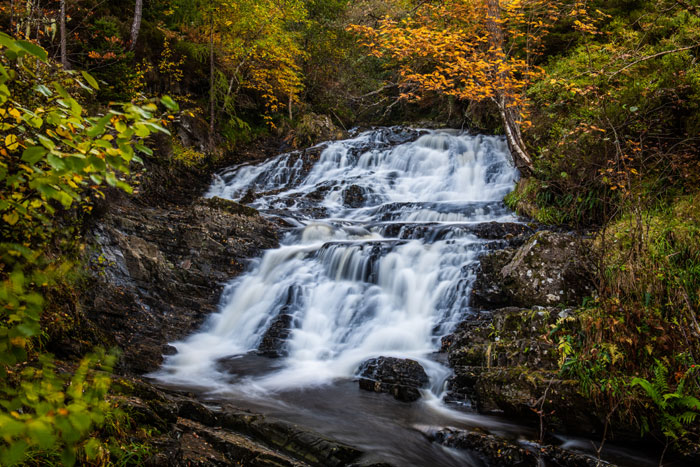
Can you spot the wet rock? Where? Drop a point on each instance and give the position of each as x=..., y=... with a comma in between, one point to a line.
x=354, y=196
x=249, y=197
x=519, y=392
x=159, y=272
x=550, y=268
x=223, y=447
x=501, y=452
x=194, y=434
x=504, y=364
x=512, y=233
x=401, y=378
x=273, y=342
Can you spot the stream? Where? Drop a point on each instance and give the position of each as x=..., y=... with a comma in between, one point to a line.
x=379, y=260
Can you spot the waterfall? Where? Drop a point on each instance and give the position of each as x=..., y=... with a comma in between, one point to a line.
x=380, y=264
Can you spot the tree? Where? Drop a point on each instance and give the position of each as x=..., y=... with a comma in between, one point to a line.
x=252, y=46
x=62, y=33
x=136, y=25
x=472, y=50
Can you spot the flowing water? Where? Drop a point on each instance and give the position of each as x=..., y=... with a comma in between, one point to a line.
x=379, y=262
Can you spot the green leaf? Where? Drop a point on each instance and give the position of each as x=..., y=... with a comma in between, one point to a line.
x=55, y=162
x=111, y=179
x=7, y=42
x=46, y=142
x=41, y=434
x=169, y=103
x=91, y=81
x=157, y=128
x=33, y=49
x=33, y=154
x=144, y=149
x=61, y=90
x=43, y=90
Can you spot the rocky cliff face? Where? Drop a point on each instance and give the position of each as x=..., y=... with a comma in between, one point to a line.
x=549, y=269
x=160, y=271
x=503, y=359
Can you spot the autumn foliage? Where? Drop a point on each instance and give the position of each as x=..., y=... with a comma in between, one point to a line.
x=474, y=51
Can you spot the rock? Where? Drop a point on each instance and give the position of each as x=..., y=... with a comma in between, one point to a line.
x=501, y=452
x=505, y=364
x=512, y=233
x=193, y=132
x=354, y=196
x=193, y=434
x=158, y=272
x=311, y=129
x=506, y=337
x=401, y=378
x=549, y=269
x=272, y=343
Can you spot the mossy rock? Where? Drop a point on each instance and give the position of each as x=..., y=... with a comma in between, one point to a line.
x=230, y=207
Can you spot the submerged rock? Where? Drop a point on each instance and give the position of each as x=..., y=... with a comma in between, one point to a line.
x=549, y=269
x=273, y=342
x=354, y=196
x=402, y=378
x=501, y=452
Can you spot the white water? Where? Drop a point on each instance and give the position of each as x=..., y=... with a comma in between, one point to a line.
x=354, y=291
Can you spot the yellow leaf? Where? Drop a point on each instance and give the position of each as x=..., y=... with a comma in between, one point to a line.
x=18, y=342
x=11, y=142
x=11, y=217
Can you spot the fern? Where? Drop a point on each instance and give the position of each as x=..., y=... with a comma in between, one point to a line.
x=676, y=410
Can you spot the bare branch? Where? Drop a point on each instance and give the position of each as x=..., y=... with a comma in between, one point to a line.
x=643, y=59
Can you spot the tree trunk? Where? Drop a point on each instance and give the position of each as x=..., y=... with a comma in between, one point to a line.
x=62, y=27
x=516, y=145
x=136, y=25
x=212, y=97
x=28, y=25
x=508, y=112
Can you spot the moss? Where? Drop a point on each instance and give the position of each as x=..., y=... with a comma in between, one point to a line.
x=231, y=207
x=525, y=200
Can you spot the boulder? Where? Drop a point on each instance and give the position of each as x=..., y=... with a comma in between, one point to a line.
x=550, y=268
x=401, y=378
x=505, y=364
x=354, y=196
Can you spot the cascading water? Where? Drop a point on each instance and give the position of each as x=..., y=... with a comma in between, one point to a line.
x=352, y=290
x=380, y=262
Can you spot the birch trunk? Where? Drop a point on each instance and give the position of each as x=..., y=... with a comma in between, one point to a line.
x=62, y=33
x=509, y=114
x=136, y=25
